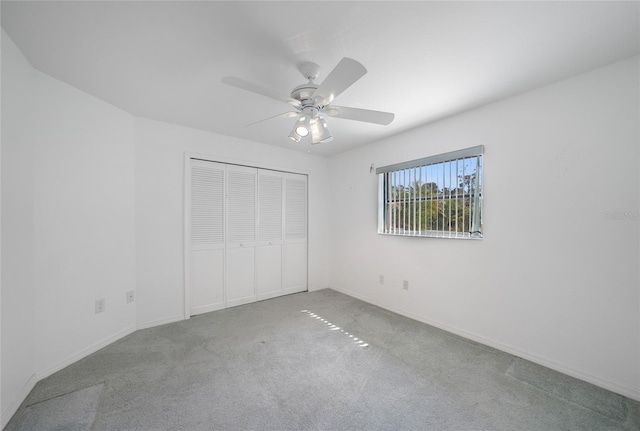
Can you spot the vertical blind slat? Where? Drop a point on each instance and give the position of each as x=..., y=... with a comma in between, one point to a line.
x=420, y=202
x=443, y=199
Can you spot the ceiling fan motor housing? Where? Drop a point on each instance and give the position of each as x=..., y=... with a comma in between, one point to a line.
x=311, y=71
x=304, y=92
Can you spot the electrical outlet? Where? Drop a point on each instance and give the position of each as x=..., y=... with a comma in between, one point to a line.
x=129, y=296
x=381, y=279
x=405, y=285
x=101, y=305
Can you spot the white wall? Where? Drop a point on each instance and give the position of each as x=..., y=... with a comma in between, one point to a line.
x=160, y=152
x=84, y=223
x=18, y=241
x=555, y=280
x=68, y=220
x=72, y=212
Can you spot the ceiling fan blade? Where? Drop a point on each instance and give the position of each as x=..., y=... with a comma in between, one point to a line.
x=366, y=115
x=341, y=77
x=285, y=115
x=255, y=88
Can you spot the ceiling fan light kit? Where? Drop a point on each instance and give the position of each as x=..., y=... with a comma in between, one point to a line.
x=309, y=123
x=319, y=131
x=300, y=129
x=310, y=100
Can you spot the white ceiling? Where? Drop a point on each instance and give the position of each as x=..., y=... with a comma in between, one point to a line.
x=425, y=60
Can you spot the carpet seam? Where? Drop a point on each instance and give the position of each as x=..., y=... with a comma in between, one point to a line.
x=66, y=393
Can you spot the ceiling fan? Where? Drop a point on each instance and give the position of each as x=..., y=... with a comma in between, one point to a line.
x=310, y=100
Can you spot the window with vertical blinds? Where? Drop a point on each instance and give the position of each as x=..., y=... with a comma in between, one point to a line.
x=438, y=196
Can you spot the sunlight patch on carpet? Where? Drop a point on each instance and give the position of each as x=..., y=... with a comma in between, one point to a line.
x=332, y=327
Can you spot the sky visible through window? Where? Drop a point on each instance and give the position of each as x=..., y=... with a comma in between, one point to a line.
x=442, y=177
x=439, y=199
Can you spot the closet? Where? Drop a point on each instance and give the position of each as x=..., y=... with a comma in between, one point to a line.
x=246, y=235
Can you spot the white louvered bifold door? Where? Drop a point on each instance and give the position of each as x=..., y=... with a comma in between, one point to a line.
x=207, y=208
x=295, y=234
x=270, y=232
x=241, y=235
x=246, y=235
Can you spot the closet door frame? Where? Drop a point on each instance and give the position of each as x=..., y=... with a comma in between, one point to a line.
x=188, y=156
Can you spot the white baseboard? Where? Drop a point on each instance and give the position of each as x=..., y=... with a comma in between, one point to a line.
x=618, y=388
x=148, y=325
x=86, y=352
x=14, y=405
x=12, y=408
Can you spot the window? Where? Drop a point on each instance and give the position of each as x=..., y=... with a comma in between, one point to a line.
x=438, y=196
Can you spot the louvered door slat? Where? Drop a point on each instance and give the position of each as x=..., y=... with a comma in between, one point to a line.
x=270, y=207
x=241, y=200
x=207, y=205
x=296, y=208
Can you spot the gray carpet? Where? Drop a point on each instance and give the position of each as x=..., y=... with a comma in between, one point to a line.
x=75, y=411
x=313, y=361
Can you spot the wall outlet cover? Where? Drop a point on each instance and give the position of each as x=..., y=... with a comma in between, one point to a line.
x=101, y=305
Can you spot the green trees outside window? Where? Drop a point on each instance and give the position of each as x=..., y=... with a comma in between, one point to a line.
x=441, y=199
